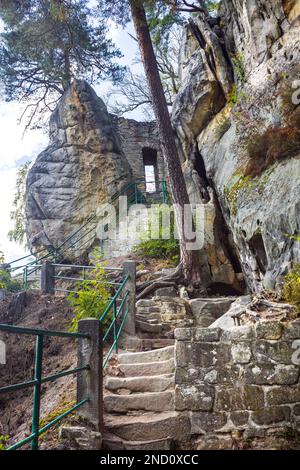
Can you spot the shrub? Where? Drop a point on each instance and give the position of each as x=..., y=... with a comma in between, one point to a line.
x=291, y=287
x=91, y=297
x=275, y=144
x=222, y=127
x=3, y=441
x=238, y=61
x=160, y=248
x=8, y=283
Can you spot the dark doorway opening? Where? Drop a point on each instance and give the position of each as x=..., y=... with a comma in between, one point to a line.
x=150, y=169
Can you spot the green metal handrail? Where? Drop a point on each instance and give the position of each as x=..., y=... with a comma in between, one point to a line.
x=134, y=194
x=38, y=380
x=114, y=299
x=117, y=311
x=84, y=279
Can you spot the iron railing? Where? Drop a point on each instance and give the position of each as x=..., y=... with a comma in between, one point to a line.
x=80, y=238
x=113, y=319
x=38, y=380
x=118, y=309
x=84, y=279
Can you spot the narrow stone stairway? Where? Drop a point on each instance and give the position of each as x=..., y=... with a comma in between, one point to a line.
x=139, y=403
x=158, y=318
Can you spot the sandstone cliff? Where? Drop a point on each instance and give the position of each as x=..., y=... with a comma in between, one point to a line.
x=81, y=168
x=237, y=72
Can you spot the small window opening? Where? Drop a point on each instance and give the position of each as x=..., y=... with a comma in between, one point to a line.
x=150, y=179
x=150, y=169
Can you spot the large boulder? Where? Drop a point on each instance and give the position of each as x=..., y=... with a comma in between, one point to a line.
x=82, y=167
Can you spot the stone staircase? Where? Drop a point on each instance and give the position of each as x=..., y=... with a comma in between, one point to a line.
x=159, y=316
x=139, y=402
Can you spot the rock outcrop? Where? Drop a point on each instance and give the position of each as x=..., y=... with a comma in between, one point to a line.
x=81, y=168
x=238, y=70
x=91, y=156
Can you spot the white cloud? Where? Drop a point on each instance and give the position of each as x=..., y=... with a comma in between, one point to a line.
x=7, y=183
x=14, y=146
x=14, y=150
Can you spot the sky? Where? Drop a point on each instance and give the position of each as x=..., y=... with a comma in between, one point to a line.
x=16, y=149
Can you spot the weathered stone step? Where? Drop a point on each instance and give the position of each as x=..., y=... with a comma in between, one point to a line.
x=152, y=321
x=162, y=354
x=148, y=311
x=156, y=402
x=147, y=368
x=144, y=344
x=157, y=383
x=156, y=343
x=149, y=426
x=148, y=328
x=151, y=316
x=112, y=442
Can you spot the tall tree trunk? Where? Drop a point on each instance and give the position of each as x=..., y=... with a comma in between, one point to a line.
x=190, y=262
x=67, y=70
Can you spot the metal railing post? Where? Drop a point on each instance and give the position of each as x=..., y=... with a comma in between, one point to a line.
x=47, y=278
x=26, y=277
x=115, y=326
x=90, y=381
x=37, y=391
x=130, y=323
x=135, y=193
x=164, y=190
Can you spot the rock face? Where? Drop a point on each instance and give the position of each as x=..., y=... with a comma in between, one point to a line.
x=91, y=156
x=81, y=168
x=238, y=72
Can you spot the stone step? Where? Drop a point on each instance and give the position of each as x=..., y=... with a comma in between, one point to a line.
x=150, y=321
x=156, y=402
x=153, y=322
x=149, y=426
x=157, y=383
x=148, y=328
x=156, y=343
x=146, y=318
x=147, y=356
x=147, y=368
x=112, y=442
x=145, y=303
x=134, y=343
x=148, y=310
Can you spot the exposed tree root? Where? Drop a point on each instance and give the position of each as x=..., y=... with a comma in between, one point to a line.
x=170, y=280
x=260, y=308
x=153, y=286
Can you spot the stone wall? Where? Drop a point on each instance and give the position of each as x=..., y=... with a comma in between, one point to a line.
x=243, y=381
x=135, y=136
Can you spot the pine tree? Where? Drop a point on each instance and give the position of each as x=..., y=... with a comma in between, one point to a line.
x=47, y=43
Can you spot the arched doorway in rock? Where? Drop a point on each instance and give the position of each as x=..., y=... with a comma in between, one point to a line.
x=150, y=169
